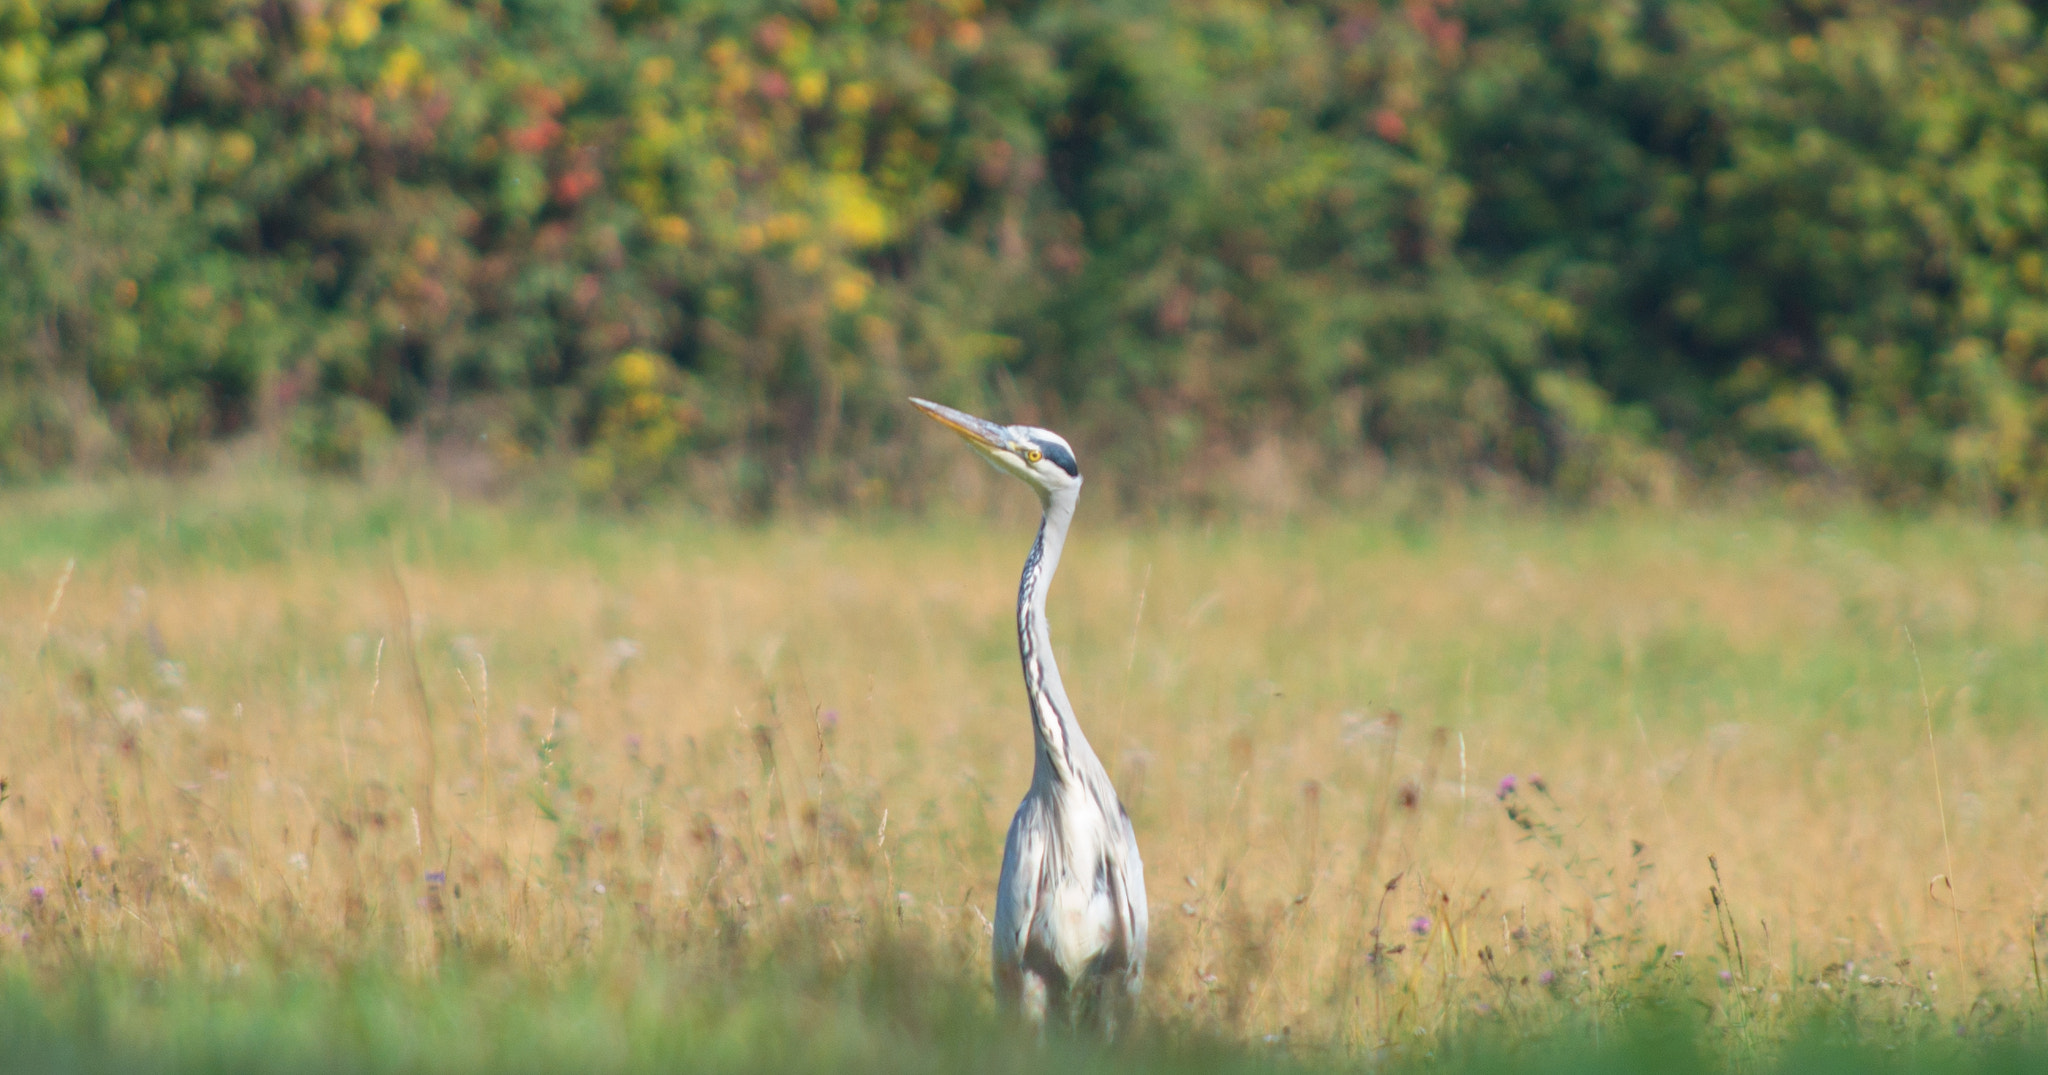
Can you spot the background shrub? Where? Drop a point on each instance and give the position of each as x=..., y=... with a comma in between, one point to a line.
x=1600, y=248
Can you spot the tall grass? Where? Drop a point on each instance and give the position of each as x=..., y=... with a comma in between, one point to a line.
x=674, y=769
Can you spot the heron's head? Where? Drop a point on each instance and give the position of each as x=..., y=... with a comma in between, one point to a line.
x=1041, y=457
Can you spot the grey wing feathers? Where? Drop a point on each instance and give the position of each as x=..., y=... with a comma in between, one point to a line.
x=1134, y=896
x=1017, y=888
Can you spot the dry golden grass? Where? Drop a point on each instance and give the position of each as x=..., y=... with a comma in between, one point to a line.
x=654, y=739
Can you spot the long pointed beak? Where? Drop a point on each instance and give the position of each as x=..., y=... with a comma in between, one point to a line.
x=981, y=433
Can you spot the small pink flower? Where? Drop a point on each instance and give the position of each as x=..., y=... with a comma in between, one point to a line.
x=37, y=894
x=1727, y=976
x=1420, y=925
x=1548, y=977
x=1507, y=787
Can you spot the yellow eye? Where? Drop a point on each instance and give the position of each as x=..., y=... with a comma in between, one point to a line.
x=1033, y=456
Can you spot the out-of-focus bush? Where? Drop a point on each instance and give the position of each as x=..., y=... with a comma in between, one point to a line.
x=338, y=434
x=640, y=428
x=1591, y=246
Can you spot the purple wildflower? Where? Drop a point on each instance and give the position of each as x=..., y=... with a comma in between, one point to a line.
x=1507, y=787
x=1548, y=977
x=437, y=877
x=37, y=894
x=1420, y=925
x=1727, y=976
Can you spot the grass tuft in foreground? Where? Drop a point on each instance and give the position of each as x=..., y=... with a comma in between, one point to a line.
x=889, y=1016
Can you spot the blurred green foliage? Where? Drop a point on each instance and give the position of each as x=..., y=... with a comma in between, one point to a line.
x=879, y=1011
x=1594, y=246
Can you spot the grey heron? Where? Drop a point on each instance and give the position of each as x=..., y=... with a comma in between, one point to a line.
x=1070, y=919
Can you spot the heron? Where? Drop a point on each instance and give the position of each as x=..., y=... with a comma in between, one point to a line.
x=1069, y=944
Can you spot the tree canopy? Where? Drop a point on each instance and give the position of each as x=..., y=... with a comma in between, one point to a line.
x=1592, y=246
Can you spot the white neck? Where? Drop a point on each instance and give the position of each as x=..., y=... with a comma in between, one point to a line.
x=1062, y=749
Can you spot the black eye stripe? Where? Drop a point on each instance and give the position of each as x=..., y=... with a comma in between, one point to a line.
x=1060, y=457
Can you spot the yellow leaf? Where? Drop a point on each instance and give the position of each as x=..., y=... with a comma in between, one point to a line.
x=672, y=229
x=849, y=291
x=655, y=71
x=399, y=69
x=358, y=22
x=636, y=370
x=855, y=97
x=810, y=89
x=852, y=212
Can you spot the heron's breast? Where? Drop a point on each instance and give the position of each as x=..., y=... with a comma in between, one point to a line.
x=1083, y=924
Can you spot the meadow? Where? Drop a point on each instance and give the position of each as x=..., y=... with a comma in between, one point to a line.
x=345, y=778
